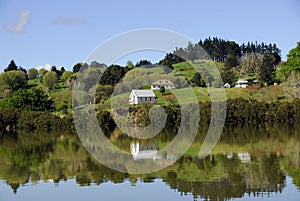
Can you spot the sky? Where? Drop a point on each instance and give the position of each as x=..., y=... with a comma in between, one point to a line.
x=39, y=33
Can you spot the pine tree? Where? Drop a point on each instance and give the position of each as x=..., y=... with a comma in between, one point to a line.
x=11, y=66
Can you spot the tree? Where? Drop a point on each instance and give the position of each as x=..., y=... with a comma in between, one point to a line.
x=33, y=99
x=50, y=79
x=170, y=59
x=294, y=83
x=42, y=72
x=58, y=72
x=293, y=59
x=198, y=81
x=14, y=79
x=162, y=89
x=22, y=69
x=62, y=70
x=228, y=76
x=32, y=73
x=129, y=64
x=69, y=80
x=95, y=64
x=266, y=72
x=192, y=52
x=11, y=66
x=230, y=62
x=77, y=67
x=143, y=63
x=250, y=63
x=208, y=78
x=112, y=75
x=260, y=65
x=227, y=70
x=64, y=105
x=66, y=75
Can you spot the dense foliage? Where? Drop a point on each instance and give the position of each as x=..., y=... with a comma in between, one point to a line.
x=34, y=121
x=218, y=49
x=293, y=60
x=33, y=99
x=13, y=80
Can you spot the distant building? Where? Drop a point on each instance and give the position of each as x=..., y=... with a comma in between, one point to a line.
x=140, y=151
x=142, y=96
x=227, y=85
x=244, y=157
x=162, y=83
x=241, y=83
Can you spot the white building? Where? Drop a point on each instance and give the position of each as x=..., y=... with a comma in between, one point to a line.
x=162, y=83
x=142, y=96
x=226, y=85
x=140, y=152
x=241, y=83
x=244, y=157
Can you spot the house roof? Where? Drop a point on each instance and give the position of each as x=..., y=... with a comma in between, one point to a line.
x=241, y=81
x=163, y=82
x=143, y=93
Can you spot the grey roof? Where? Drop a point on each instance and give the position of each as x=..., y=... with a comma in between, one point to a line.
x=163, y=82
x=144, y=93
x=242, y=81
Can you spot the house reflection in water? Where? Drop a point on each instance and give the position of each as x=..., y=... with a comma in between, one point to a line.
x=244, y=157
x=144, y=151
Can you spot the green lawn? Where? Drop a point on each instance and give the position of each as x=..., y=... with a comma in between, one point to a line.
x=188, y=69
x=153, y=70
x=34, y=82
x=188, y=95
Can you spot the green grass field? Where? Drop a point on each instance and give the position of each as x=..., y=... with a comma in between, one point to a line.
x=187, y=95
x=188, y=69
x=34, y=82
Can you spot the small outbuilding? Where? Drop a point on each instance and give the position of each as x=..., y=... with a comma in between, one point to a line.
x=162, y=83
x=241, y=83
x=142, y=96
x=226, y=85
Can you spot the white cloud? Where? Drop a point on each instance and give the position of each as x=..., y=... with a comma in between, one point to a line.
x=18, y=28
x=46, y=66
x=69, y=21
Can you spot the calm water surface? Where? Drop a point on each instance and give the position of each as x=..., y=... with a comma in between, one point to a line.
x=265, y=165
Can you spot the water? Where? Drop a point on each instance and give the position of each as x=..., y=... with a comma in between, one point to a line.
x=158, y=190
x=263, y=166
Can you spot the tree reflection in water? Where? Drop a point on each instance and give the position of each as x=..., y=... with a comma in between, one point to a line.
x=253, y=168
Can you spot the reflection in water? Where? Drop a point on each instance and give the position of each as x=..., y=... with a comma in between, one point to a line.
x=231, y=171
x=144, y=151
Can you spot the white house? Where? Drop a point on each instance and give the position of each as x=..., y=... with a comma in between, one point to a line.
x=140, y=152
x=241, y=83
x=244, y=157
x=142, y=96
x=162, y=83
x=226, y=85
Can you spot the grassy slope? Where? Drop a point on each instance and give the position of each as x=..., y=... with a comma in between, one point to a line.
x=269, y=94
x=188, y=69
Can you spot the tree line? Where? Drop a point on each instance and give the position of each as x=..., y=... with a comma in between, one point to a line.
x=257, y=61
x=218, y=49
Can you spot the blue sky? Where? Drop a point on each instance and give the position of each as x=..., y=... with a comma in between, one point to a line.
x=35, y=33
